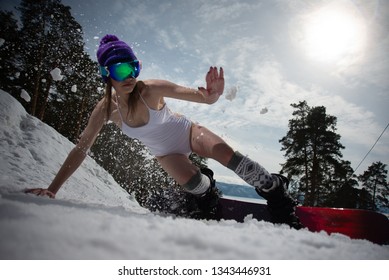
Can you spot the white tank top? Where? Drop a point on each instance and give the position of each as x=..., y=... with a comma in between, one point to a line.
x=165, y=133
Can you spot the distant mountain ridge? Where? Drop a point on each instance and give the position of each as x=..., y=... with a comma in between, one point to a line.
x=237, y=190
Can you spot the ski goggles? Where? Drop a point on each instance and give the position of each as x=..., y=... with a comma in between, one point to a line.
x=122, y=70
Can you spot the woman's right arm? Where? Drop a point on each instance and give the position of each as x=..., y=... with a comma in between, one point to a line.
x=78, y=153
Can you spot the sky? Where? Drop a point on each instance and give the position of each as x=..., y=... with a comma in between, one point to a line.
x=274, y=53
x=93, y=218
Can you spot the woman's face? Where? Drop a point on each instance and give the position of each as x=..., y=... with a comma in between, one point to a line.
x=124, y=87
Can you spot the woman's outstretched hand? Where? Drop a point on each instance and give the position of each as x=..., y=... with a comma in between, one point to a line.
x=215, y=85
x=41, y=192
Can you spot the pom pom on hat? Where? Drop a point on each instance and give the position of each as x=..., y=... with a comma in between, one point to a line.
x=112, y=50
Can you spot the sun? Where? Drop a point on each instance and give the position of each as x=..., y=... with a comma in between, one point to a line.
x=331, y=33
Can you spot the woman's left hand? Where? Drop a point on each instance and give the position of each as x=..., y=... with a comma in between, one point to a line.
x=215, y=85
x=40, y=192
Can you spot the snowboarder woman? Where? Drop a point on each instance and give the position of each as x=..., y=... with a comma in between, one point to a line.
x=139, y=109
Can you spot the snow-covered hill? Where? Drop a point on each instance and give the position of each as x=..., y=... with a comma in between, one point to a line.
x=93, y=218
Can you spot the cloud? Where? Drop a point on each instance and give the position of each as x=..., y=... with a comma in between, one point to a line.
x=373, y=70
x=166, y=40
x=134, y=17
x=211, y=11
x=172, y=38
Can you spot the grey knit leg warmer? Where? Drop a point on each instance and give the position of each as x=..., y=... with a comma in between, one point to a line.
x=250, y=171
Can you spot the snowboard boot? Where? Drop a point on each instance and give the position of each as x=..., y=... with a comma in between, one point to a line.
x=280, y=204
x=207, y=203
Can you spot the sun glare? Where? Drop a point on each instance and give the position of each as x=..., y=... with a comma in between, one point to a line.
x=332, y=33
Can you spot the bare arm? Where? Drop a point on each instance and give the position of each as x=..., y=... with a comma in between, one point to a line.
x=77, y=154
x=209, y=95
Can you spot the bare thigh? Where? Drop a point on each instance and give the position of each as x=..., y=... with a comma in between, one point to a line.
x=207, y=144
x=179, y=167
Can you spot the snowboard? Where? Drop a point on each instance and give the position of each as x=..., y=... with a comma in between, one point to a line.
x=355, y=223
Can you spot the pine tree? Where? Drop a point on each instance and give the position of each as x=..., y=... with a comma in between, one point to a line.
x=9, y=54
x=312, y=149
x=374, y=181
x=50, y=38
x=74, y=98
x=341, y=187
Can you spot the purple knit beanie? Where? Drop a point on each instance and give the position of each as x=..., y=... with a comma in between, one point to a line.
x=112, y=50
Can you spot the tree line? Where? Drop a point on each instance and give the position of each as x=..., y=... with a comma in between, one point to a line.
x=46, y=37
x=315, y=165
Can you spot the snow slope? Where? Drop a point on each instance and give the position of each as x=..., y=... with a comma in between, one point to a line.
x=93, y=218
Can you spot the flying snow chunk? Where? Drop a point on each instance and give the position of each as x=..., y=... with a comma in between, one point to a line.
x=264, y=111
x=96, y=37
x=231, y=93
x=56, y=74
x=74, y=88
x=25, y=95
x=2, y=41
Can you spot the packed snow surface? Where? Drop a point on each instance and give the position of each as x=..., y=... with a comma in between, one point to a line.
x=93, y=218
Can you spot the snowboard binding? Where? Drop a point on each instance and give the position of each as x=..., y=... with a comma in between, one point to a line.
x=205, y=205
x=280, y=204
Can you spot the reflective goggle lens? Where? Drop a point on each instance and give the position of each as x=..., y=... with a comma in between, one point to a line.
x=122, y=70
